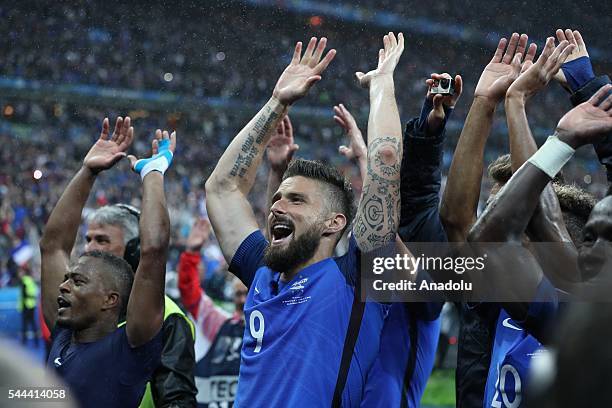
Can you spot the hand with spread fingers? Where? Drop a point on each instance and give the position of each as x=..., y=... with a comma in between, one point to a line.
x=162, y=146
x=504, y=68
x=281, y=146
x=108, y=150
x=588, y=122
x=441, y=103
x=356, y=148
x=303, y=71
x=577, y=66
x=387, y=60
x=535, y=76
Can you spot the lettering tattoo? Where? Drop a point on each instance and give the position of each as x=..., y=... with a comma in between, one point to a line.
x=253, y=144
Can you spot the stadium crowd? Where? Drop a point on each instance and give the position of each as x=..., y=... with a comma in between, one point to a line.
x=66, y=44
x=261, y=217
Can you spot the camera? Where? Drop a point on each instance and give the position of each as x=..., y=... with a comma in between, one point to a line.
x=444, y=86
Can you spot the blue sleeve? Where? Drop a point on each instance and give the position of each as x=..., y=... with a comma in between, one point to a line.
x=603, y=147
x=578, y=72
x=426, y=311
x=349, y=262
x=138, y=363
x=249, y=257
x=542, y=312
x=420, y=182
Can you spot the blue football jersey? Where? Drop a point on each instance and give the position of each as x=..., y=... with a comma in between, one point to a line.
x=514, y=348
x=407, y=355
x=295, y=331
x=512, y=352
x=105, y=373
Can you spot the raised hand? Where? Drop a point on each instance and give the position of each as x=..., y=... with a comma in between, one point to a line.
x=108, y=150
x=535, y=76
x=357, y=148
x=579, y=51
x=387, y=59
x=588, y=122
x=281, y=147
x=435, y=119
x=162, y=148
x=200, y=231
x=303, y=71
x=503, y=69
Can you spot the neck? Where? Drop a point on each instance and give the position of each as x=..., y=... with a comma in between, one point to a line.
x=95, y=332
x=323, y=252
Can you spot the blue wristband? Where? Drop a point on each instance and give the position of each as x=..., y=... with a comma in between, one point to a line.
x=578, y=72
x=159, y=162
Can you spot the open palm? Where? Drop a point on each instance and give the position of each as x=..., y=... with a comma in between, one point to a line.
x=578, y=51
x=499, y=74
x=357, y=147
x=387, y=59
x=303, y=71
x=588, y=122
x=537, y=75
x=108, y=150
x=281, y=146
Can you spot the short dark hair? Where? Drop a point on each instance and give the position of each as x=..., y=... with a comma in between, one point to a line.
x=576, y=203
x=500, y=170
x=120, y=274
x=339, y=192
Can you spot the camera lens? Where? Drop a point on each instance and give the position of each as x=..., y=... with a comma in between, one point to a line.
x=444, y=82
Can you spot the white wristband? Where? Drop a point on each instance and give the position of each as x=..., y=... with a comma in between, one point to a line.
x=552, y=156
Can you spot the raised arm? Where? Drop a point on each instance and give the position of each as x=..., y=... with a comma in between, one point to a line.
x=460, y=198
x=514, y=269
x=227, y=188
x=421, y=173
x=377, y=219
x=533, y=79
x=516, y=202
x=188, y=276
x=209, y=316
x=279, y=152
x=356, y=149
x=145, y=311
x=548, y=224
x=577, y=76
x=61, y=229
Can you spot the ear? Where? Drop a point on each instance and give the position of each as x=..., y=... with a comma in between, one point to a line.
x=335, y=224
x=111, y=300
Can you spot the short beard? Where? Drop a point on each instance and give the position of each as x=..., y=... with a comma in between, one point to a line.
x=298, y=252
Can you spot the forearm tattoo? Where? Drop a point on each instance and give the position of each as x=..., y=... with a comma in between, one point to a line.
x=253, y=143
x=377, y=218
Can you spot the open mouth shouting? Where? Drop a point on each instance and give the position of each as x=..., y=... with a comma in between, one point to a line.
x=281, y=231
x=62, y=304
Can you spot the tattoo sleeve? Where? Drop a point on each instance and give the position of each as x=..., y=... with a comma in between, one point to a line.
x=238, y=165
x=377, y=219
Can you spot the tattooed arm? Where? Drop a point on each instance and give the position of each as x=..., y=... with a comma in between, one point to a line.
x=377, y=219
x=227, y=188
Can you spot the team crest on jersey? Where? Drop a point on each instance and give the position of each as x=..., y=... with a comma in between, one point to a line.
x=297, y=293
x=299, y=285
